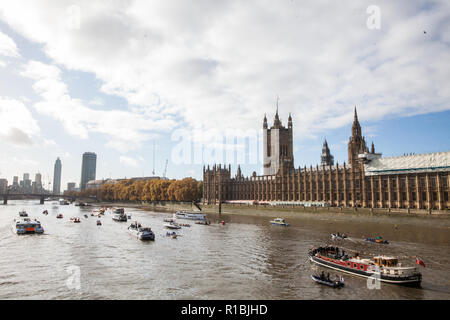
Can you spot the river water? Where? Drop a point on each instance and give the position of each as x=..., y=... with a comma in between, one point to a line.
x=246, y=258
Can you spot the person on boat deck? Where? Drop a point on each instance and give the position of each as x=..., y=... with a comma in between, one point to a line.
x=322, y=276
x=328, y=276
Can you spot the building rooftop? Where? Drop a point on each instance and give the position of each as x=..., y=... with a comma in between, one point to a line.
x=427, y=162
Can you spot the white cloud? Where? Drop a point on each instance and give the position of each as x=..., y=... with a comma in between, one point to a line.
x=221, y=64
x=129, y=162
x=17, y=125
x=125, y=130
x=8, y=47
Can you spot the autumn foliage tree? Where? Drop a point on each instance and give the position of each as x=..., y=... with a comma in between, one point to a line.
x=187, y=189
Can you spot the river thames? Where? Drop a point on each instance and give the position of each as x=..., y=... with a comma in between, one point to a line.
x=246, y=258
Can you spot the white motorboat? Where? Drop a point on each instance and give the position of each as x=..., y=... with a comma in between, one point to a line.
x=23, y=213
x=63, y=202
x=338, y=236
x=140, y=232
x=279, y=222
x=27, y=226
x=119, y=215
x=172, y=225
x=190, y=215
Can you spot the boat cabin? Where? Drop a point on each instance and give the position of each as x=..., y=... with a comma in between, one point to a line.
x=383, y=261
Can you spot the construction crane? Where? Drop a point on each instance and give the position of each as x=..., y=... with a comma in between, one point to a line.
x=165, y=169
x=153, y=172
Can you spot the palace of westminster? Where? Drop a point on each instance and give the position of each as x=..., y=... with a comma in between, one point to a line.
x=412, y=182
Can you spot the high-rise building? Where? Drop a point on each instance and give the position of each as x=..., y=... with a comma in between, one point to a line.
x=57, y=177
x=37, y=185
x=88, y=169
x=26, y=183
x=71, y=186
x=3, y=185
x=16, y=182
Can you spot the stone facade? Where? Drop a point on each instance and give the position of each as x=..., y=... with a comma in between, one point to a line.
x=368, y=180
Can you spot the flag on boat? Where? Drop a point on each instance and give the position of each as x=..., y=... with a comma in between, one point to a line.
x=420, y=261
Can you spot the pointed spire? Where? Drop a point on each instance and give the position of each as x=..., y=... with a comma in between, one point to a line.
x=265, y=122
x=372, y=149
x=356, y=116
x=277, y=122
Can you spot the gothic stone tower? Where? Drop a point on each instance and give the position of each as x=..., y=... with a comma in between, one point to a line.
x=357, y=143
x=327, y=158
x=278, y=146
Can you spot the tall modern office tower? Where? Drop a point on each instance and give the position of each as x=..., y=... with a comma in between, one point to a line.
x=57, y=177
x=88, y=168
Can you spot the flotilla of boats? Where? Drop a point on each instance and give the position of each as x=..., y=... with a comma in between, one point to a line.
x=386, y=269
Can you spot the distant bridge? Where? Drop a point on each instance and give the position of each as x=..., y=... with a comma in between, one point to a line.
x=42, y=197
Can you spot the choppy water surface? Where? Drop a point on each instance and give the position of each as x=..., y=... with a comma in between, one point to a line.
x=245, y=259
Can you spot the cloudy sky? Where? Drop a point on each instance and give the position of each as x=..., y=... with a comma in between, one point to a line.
x=123, y=78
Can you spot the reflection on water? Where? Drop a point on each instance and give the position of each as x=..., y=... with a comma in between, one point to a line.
x=246, y=258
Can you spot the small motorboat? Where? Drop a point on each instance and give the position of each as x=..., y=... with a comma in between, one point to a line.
x=59, y=216
x=337, y=283
x=338, y=236
x=99, y=223
x=75, y=220
x=204, y=223
x=173, y=234
x=172, y=225
x=45, y=212
x=140, y=232
x=377, y=240
x=86, y=216
x=23, y=213
x=279, y=222
x=187, y=225
x=169, y=220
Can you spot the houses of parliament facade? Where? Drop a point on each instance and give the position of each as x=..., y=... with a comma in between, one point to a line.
x=368, y=180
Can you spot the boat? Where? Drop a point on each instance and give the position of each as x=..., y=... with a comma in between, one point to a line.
x=337, y=283
x=86, y=216
x=119, y=215
x=173, y=234
x=169, y=220
x=386, y=269
x=59, y=216
x=338, y=236
x=63, y=202
x=187, y=225
x=190, y=215
x=279, y=222
x=172, y=225
x=377, y=240
x=75, y=220
x=142, y=233
x=27, y=226
x=99, y=223
x=45, y=212
x=204, y=223
x=23, y=213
